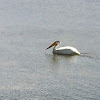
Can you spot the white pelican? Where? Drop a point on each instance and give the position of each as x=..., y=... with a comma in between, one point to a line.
x=68, y=50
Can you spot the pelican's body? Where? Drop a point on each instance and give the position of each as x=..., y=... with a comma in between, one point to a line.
x=64, y=50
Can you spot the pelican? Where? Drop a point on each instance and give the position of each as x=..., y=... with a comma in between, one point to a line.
x=67, y=50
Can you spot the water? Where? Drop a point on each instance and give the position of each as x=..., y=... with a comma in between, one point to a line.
x=28, y=71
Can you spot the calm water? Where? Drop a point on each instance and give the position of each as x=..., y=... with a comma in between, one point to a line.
x=28, y=71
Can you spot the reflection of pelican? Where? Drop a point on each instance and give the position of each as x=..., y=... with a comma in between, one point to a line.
x=63, y=50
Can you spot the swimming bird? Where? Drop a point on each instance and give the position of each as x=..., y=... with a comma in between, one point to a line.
x=67, y=50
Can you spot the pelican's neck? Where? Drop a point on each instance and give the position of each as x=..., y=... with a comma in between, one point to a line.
x=55, y=47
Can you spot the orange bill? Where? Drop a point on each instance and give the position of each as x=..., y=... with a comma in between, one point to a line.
x=52, y=45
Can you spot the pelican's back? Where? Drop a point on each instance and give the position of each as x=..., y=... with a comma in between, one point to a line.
x=67, y=51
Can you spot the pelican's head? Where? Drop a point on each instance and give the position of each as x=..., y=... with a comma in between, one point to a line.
x=54, y=44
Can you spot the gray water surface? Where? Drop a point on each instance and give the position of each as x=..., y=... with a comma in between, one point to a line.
x=28, y=71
